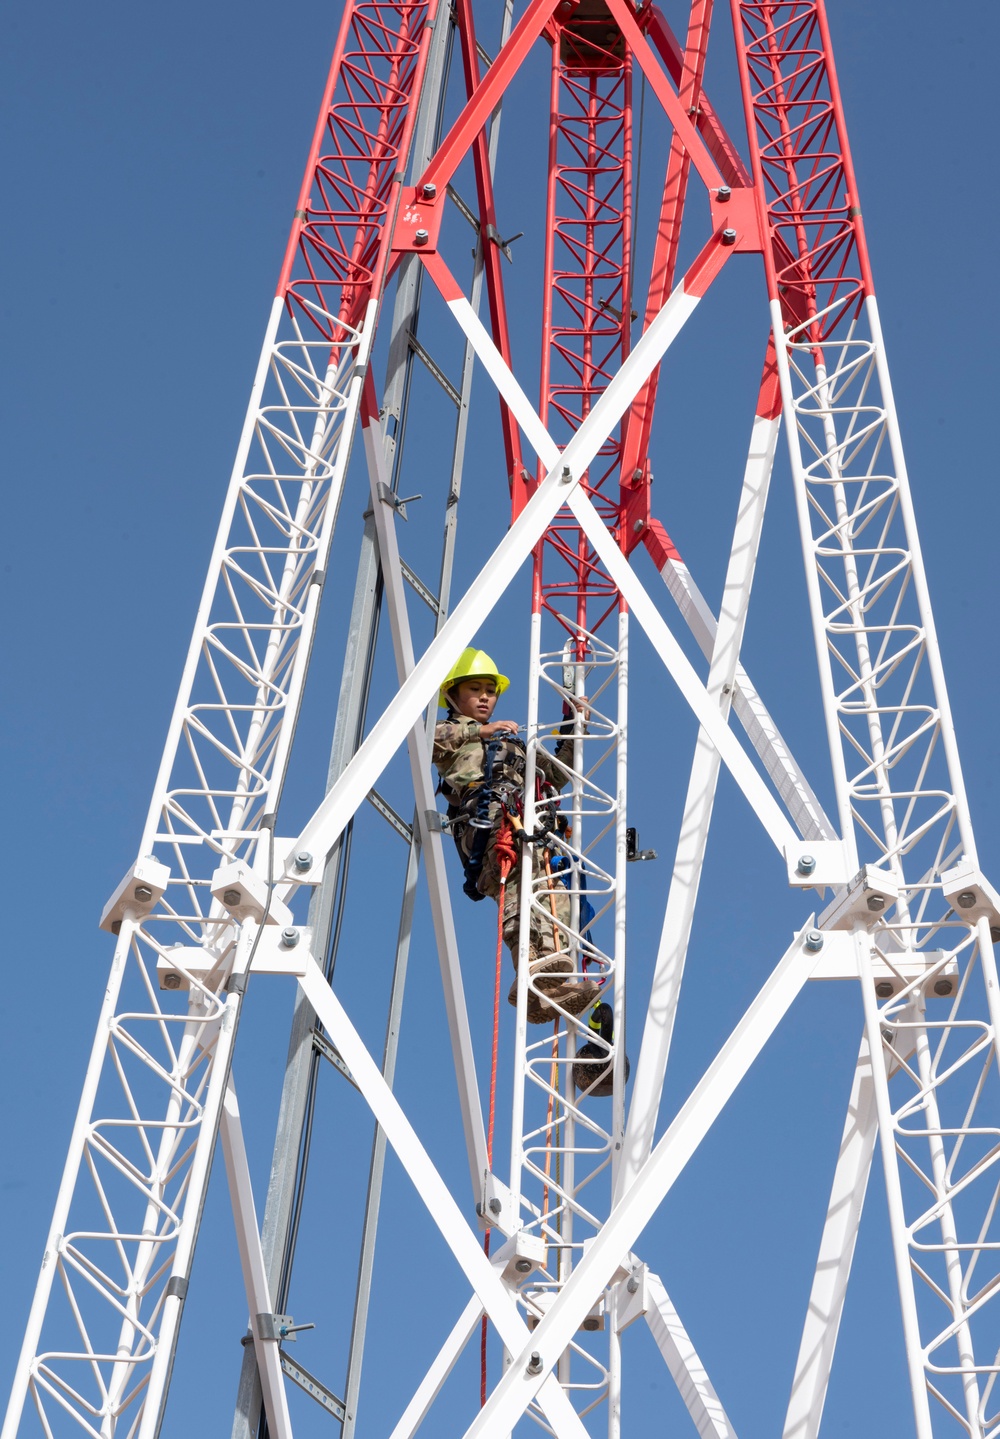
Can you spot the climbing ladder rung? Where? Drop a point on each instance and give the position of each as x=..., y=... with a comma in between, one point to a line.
x=386, y=810
x=463, y=208
x=435, y=369
x=428, y=596
x=324, y=1397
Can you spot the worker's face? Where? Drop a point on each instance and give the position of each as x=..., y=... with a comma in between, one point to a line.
x=475, y=698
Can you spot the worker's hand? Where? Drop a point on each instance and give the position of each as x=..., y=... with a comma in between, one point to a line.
x=487, y=731
x=580, y=703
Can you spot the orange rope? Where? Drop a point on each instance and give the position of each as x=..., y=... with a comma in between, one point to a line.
x=506, y=854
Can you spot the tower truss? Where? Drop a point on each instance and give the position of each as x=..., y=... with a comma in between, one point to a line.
x=401, y=172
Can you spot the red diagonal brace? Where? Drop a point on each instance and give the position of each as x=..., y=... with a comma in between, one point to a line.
x=459, y=138
x=703, y=162
x=639, y=420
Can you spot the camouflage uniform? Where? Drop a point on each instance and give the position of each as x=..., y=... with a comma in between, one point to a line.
x=459, y=755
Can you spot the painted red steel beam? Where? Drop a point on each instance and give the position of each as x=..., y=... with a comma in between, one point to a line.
x=337, y=251
x=701, y=157
x=817, y=266
x=489, y=93
x=635, y=476
x=710, y=127
x=489, y=238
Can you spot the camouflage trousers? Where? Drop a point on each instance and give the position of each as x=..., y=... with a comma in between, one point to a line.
x=544, y=937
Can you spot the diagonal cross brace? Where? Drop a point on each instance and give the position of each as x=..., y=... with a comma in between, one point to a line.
x=490, y=584
x=633, y=1211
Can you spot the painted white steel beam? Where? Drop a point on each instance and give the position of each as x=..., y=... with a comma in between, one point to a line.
x=836, y=1252
x=761, y=800
x=435, y=1194
x=252, y=1263
x=699, y=803
x=444, y=1362
x=786, y=775
x=686, y=1369
x=631, y=1214
x=430, y=840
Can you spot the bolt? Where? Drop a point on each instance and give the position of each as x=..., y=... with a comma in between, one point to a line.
x=495, y=1206
x=303, y=861
x=523, y=1266
x=876, y=903
x=480, y=1210
x=143, y=892
x=591, y=1322
x=942, y=986
x=729, y=236
x=995, y=933
x=421, y=237
x=807, y=863
x=172, y=980
x=723, y=193
x=429, y=190
x=966, y=899
x=289, y=938
x=566, y=478
x=639, y=525
x=230, y=896
x=884, y=989
x=535, y=1362
x=632, y=1285
x=814, y=941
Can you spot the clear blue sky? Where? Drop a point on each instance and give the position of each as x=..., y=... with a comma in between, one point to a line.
x=152, y=157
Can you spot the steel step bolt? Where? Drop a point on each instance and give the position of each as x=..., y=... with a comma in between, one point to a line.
x=535, y=1362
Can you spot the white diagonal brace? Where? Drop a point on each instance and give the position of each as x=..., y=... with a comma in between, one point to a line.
x=447, y=1357
x=807, y=813
x=840, y=1232
x=272, y=1383
x=765, y=806
x=430, y=841
x=347, y=794
x=836, y=1251
x=435, y=1194
x=686, y=1368
x=699, y=803
x=616, y=398
x=633, y=1211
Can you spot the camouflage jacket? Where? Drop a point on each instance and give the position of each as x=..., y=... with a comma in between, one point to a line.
x=459, y=756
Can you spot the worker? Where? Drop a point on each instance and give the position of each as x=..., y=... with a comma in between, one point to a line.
x=481, y=762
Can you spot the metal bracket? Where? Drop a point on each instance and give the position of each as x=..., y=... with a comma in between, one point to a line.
x=436, y=822
x=497, y=1209
x=279, y=1326
x=865, y=900
x=492, y=233
x=394, y=501
x=140, y=891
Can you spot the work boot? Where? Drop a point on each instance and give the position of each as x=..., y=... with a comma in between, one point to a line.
x=571, y=995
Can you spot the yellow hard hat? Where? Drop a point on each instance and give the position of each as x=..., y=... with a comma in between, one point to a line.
x=472, y=664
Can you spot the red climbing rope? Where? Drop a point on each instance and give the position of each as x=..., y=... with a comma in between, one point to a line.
x=506, y=853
